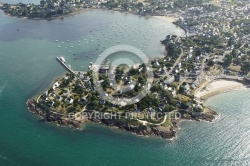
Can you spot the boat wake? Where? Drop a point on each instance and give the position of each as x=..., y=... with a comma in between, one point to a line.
x=2, y=88
x=3, y=158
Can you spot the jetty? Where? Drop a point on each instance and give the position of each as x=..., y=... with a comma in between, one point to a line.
x=63, y=62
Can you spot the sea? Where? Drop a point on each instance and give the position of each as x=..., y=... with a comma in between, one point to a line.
x=28, y=65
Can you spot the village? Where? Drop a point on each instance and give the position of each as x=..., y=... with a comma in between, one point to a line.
x=216, y=46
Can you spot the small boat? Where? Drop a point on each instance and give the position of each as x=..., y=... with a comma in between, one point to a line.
x=56, y=40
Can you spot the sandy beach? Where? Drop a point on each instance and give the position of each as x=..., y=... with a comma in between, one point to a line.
x=217, y=87
x=167, y=18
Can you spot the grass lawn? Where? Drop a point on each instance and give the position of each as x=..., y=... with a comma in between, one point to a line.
x=167, y=123
x=215, y=70
x=234, y=68
x=183, y=98
x=175, y=84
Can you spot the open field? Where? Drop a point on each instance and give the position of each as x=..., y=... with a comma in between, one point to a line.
x=234, y=68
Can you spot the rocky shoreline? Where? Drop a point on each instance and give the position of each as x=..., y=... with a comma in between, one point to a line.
x=140, y=130
x=52, y=117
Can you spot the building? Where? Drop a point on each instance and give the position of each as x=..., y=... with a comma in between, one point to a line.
x=177, y=78
x=69, y=100
x=56, y=85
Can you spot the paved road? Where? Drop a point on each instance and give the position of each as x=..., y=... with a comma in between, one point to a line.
x=176, y=62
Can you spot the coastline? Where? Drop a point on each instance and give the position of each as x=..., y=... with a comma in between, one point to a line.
x=64, y=121
x=164, y=132
x=48, y=19
x=217, y=87
x=70, y=14
x=166, y=18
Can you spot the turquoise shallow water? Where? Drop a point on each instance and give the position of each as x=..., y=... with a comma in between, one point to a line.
x=27, y=66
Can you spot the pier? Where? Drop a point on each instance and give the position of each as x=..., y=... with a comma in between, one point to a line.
x=62, y=61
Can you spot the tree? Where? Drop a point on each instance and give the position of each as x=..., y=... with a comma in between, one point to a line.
x=76, y=101
x=71, y=109
x=210, y=63
x=56, y=104
x=94, y=103
x=244, y=57
x=230, y=42
x=228, y=60
x=134, y=71
x=234, y=53
x=142, y=80
x=198, y=51
x=184, y=106
x=246, y=67
x=155, y=88
x=50, y=90
x=181, y=90
x=125, y=6
x=237, y=61
x=140, y=4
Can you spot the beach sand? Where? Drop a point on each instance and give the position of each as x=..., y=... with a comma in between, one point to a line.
x=217, y=87
x=167, y=18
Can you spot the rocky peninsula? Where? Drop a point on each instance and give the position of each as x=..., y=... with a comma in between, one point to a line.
x=73, y=100
x=216, y=47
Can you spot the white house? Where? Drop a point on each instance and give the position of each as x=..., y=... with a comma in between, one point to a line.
x=56, y=85
x=69, y=100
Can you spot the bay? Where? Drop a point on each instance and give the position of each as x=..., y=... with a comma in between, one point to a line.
x=27, y=65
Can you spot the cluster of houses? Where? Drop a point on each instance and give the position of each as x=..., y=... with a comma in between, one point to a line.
x=64, y=94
